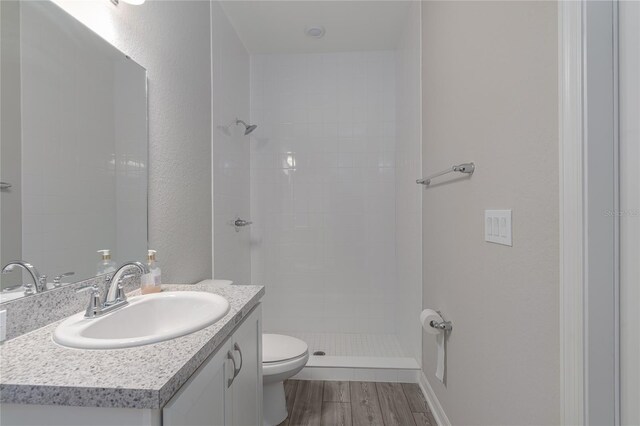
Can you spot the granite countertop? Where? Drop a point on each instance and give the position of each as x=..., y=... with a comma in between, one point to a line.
x=36, y=370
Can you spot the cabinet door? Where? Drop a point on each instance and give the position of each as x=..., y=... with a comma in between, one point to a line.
x=247, y=386
x=205, y=399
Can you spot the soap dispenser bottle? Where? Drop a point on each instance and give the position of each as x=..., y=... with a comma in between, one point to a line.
x=150, y=283
x=106, y=264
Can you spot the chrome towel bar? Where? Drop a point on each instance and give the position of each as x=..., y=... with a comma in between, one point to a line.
x=467, y=168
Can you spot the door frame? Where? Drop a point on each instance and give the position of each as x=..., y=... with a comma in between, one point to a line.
x=589, y=226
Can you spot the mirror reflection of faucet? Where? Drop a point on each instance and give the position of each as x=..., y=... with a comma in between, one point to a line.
x=39, y=282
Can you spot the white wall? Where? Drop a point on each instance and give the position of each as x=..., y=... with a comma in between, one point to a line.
x=490, y=96
x=408, y=227
x=171, y=39
x=629, y=212
x=231, y=251
x=10, y=160
x=323, y=190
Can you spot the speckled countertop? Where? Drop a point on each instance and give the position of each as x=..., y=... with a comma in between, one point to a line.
x=36, y=370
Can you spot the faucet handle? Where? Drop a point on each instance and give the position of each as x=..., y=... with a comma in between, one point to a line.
x=120, y=296
x=42, y=280
x=88, y=287
x=58, y=280
x=29, y=289
x=95, y=306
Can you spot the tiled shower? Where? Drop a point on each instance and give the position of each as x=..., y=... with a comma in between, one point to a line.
x=336, y=212
x=323, y=190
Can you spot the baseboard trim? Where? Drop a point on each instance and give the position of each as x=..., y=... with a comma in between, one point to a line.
x=432, y=400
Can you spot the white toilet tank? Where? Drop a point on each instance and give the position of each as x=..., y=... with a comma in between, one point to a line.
x=216, y=283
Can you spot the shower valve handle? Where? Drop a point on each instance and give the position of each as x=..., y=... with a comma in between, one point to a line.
x=239, y=223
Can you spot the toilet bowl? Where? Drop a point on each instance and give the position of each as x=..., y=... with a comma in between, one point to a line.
x=282, y=358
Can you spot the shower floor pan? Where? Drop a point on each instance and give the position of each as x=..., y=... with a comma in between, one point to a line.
x=362, y=357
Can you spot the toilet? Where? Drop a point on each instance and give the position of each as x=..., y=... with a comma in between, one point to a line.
x=282, y=358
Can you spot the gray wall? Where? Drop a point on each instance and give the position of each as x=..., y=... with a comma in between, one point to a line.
x=490, y=96
x=11, y=202
x=171, y=39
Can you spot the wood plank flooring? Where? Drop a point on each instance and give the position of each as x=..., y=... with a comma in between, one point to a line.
x=318, y=403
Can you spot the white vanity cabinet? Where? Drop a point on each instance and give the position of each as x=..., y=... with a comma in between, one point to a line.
x=227, y=388
x=217, y=394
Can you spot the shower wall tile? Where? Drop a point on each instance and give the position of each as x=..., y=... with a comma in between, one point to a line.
x=323, y=190
x=408, y=200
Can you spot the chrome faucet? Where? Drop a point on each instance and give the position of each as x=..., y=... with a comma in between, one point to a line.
x=39, y=281
x=115, y=297
x=115, y=293
x=96, y=307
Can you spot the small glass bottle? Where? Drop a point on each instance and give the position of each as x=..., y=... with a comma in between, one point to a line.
x=106, y=264
x=150, y=283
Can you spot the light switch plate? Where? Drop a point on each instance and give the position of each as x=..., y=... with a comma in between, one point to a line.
x=497, y=227
x=3, y=326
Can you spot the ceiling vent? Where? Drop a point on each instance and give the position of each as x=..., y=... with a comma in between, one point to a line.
x=316, y=31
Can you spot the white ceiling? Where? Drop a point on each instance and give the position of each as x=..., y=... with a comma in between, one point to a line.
x=266, y=26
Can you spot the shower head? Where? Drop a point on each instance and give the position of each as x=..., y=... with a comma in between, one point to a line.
x=248, y=128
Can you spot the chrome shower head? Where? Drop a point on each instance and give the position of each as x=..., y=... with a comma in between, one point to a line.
x=248, y=128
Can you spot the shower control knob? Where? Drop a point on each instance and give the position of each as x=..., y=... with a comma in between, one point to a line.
x=239, y=223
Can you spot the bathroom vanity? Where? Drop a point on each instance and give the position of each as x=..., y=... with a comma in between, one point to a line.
x=209, y=377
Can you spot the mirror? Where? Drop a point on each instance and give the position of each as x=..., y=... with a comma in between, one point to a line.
x=73, y=148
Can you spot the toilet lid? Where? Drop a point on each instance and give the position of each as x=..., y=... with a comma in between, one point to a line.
x=277, y=347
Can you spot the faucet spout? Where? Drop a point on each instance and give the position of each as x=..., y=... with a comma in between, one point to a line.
x=112, y=294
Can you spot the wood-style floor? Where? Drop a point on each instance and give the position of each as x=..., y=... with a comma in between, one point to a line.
x=317, y=403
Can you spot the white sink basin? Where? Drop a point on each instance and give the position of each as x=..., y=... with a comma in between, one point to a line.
x=146, y=319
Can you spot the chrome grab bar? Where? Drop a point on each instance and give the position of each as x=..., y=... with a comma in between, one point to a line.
x=467, y=168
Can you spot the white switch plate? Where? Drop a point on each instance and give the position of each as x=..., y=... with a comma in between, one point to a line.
x=497, y=227
x=3, y=326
